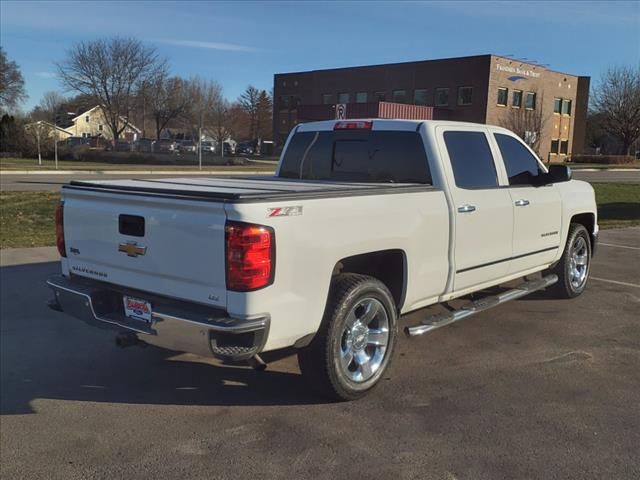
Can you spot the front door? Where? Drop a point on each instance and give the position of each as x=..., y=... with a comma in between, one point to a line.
x=537, y=208
x=482, y=212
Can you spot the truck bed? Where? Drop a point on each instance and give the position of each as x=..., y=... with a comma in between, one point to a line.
x=245, y=189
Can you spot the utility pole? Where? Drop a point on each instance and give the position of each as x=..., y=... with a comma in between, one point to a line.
x=55, y=138
x=200, y=141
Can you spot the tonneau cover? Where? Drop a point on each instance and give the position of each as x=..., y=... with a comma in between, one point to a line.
x=244, y=188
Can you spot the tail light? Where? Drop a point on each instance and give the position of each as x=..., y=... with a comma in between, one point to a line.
x=60, y=230
x=250, y=256
x=354, y=125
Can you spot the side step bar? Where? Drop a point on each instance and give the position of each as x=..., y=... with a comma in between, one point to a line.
x=441, y=320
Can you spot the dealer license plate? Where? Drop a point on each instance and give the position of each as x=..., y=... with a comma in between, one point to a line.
x=137, y=309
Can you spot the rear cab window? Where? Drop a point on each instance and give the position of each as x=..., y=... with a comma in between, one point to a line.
x=359, y=156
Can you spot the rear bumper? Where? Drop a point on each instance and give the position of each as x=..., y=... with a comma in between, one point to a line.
x=174, y=325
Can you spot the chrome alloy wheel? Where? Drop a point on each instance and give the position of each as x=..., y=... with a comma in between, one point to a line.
x=578, y=263
x=364, y=340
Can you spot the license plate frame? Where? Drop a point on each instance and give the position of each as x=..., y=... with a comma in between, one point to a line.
x=137, y=309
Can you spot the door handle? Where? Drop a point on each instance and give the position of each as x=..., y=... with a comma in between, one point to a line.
x=466, y=209
x=522, y=203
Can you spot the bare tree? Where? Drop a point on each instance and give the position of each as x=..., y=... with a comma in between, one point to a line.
x=250, y=101
x=264, y=118
x=168, y=98
x=52, y=103
x=527, y=123
x=109, y=71
x=617, y=99
x=12, y=90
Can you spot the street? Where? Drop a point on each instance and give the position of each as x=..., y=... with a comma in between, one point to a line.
x=535, y=388
x=52, y=182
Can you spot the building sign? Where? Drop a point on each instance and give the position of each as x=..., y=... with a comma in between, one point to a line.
x=521, y=73
x=341, y=111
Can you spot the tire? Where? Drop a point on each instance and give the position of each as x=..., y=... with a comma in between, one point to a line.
x=575, y=264
x=354, y=345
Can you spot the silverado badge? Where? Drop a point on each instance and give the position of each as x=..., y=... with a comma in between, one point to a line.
x=132, y=249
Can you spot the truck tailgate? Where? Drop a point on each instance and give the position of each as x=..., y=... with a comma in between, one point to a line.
x=168, y=246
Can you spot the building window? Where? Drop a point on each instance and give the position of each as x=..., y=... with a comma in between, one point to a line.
x=86, y=119
x=464, y=95
x=295, y=101
x=380, y=96
x=420, y=96
x=516, y=99
x=343, y=98
x=555, y=144
x=400, y=96
x=284, y=101
x=557, y=105
x=503, y=97
x=361, y=97
x=100, y=127
x=327, y=98
x=564, y=147
x=442, y=97
x=566, y=107
x=531, y=101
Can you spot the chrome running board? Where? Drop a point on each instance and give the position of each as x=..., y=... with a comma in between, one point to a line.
x=433, y=322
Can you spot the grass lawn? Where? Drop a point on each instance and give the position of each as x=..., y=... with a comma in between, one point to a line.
x=618, y=204
x=27, y=218
x=182, y=163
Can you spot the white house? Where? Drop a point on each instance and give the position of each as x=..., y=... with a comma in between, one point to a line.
x=93, y=123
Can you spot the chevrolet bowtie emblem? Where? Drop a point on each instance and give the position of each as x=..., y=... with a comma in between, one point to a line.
x=132, y=249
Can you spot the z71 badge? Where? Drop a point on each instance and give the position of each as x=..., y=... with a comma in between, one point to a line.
x=284, y=211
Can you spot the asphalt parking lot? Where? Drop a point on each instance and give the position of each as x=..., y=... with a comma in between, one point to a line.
x=534, y=389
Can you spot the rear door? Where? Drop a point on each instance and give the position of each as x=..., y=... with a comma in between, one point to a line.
x=537, y=208
x=482, y=211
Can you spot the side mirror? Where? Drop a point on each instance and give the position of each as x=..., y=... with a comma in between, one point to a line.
x=558, y=173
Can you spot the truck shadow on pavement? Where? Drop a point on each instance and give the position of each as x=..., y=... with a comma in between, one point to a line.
x=47, y=355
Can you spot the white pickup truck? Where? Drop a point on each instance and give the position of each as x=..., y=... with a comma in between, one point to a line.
x=364, y=221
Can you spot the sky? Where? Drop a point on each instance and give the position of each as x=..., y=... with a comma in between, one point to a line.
x=242, y=43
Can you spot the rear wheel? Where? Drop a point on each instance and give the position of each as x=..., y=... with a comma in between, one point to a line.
x=355, y=342
x=574, y=266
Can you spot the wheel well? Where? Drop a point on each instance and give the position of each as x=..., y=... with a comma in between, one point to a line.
x=388, y=266
x=588, y=221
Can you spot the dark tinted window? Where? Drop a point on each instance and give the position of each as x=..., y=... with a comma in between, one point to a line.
x=471, y=159
x=522, y=166
x=357, y=156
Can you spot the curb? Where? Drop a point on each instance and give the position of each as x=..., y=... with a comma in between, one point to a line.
x=605, y=169
x=132, y=172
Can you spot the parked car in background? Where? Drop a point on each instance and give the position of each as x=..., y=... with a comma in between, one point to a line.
x=165, y=145
x=187, y=146
x=123, y=146
x=228, y=149
x=208, y=147
x=145, y=145
x=244, y=149
x=74, y=141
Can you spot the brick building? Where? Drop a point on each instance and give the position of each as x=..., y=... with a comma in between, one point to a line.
x=546, y=107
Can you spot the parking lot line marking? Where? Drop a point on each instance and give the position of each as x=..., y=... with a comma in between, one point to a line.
x=615, y=281
x=619, y=246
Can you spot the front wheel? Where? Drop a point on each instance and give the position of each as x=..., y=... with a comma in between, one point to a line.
x=574, y=266
x=355, y=342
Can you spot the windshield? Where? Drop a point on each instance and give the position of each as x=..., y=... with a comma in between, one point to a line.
x=357, y=156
